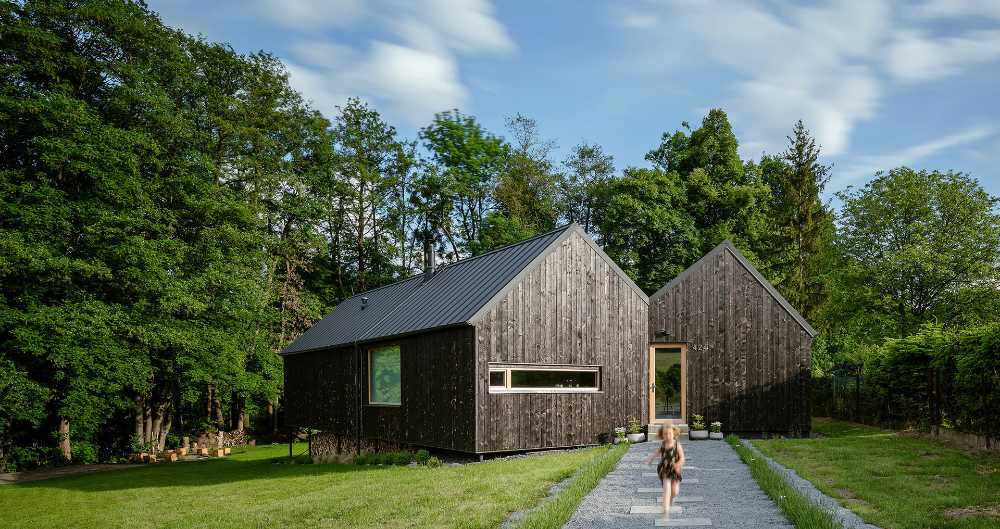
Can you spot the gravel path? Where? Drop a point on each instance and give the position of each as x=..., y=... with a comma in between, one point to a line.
x=724, y=495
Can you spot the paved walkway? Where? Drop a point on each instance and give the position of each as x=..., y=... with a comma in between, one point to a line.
x=717, y=491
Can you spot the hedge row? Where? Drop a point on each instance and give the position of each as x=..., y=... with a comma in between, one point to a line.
x=934, y=377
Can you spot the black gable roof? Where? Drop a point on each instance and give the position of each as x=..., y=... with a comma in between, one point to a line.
x=452, y=296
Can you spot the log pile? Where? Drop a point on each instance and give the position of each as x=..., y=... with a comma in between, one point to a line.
x=330, y=447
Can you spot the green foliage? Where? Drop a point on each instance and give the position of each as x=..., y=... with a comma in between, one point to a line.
x=697, y=422
x=422, y=456
x=470, y=160
x=433, y=462
x=657, y=222
x=912, y=245
x=587, y=168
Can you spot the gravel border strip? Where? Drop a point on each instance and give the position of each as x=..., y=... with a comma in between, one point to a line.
x=844, y=516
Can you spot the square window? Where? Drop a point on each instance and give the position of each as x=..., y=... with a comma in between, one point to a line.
x=498, y=379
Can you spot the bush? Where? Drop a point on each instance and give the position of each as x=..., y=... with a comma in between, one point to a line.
x=422, y=456
x=83, y=452
x=934, y=377
x=433, y=462
x=697, y=422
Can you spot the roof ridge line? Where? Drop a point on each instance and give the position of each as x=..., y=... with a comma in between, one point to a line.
x=511, y=245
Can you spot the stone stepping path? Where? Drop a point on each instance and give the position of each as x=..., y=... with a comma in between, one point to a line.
x=723, y=495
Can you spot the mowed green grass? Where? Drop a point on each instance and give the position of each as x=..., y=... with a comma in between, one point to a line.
x=248, y=490
x=896, y=480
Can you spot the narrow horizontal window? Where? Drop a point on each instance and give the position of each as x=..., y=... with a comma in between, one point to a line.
x=533, y=378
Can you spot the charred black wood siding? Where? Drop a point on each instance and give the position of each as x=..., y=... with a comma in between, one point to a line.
x=321, y=390
x=748, y=358
x=573, y=307
x=437, y=405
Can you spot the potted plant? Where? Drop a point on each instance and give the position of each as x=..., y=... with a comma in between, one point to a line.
x=635, y=434
x=619, y=434
x=697, y=431
x=715, y=430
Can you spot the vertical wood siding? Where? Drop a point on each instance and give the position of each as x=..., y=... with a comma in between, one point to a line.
x=748, y=359
x=571, y=308
x=437, y=394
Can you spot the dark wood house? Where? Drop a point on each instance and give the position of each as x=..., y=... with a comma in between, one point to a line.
x=536, y=345
x=725, y=344
x=547, y=343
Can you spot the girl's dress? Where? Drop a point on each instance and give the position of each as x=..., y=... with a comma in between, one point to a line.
x=666, y=467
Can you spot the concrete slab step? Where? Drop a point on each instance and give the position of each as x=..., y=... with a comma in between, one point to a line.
x=682, y=522
x=654, y=509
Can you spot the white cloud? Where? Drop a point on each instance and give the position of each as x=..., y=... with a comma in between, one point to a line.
x=413, y=71
x=808, y=63
x=826, y=64
x=311, y=14
x=959, y=8
x=915, y=56
x=411, y=82
x=866, y=166
x=417, y=83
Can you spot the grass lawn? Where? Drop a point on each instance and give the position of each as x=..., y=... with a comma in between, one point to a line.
x=893, y=480
x=248, y=490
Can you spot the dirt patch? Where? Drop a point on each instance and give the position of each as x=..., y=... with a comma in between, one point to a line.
x=48, y=473
x=846, y=494
x=985, y=470
x=988, y=511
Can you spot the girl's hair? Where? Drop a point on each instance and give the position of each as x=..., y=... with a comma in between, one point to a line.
x=672, y=428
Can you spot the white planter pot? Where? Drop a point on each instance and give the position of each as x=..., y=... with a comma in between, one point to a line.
x=636, y=437
x=618, y=439
x=715, y=435
x=697, y=435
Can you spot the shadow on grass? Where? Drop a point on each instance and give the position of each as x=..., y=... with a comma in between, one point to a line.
x=194, y=474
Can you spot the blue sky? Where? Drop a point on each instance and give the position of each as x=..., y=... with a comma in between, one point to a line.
x=880, y=84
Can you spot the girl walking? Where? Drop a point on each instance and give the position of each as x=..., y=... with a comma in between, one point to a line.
x=671, y=463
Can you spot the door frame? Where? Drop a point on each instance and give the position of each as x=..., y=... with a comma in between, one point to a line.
x=651, y=391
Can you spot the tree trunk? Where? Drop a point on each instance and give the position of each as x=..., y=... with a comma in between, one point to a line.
x=64, y=445
x=147, y=412
x=156, y=425
x=167, y=423
x=140, y=403
x=209, y=400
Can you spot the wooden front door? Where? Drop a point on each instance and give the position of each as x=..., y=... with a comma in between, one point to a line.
x=667, y=383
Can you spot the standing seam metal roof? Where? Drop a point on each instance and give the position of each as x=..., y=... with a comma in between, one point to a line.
x=453, y=295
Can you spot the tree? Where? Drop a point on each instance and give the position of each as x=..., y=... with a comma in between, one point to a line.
x=587, y=168
x=470, y=160
x=912, y=245
x=657, y=222
x=645, y=227
x=723, y=199
x=806, y=224
x=526, y=191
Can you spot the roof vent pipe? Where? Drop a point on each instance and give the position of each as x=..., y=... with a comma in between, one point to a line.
x=428, y=259
x=364, y=302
